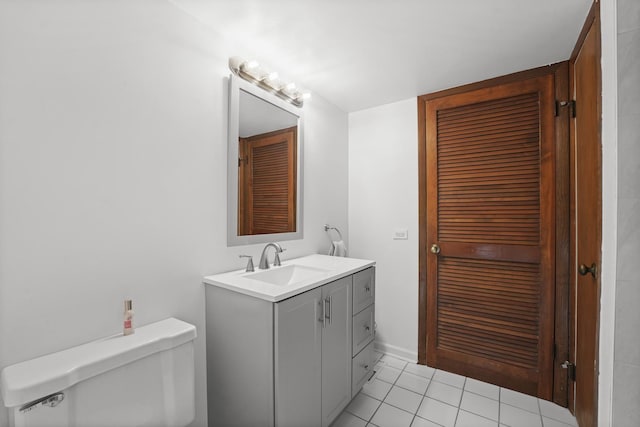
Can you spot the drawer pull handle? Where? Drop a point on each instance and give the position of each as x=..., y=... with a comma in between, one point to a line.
x=367, y=288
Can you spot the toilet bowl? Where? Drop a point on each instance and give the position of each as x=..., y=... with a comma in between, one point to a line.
x=143, y=379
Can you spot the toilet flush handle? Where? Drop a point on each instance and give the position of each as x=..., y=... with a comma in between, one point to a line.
x=51, y=401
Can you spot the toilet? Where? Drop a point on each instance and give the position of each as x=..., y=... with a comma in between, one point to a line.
x=143, y=379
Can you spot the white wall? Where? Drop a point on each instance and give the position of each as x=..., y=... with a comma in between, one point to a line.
x=609, y=211
x=383, y=196
x=626, y=365
x=113, y=172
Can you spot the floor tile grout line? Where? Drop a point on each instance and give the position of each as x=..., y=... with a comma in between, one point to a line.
x=482, y=395
x=478, y=415
x=460, y=401
x=416, y=414
x=540, y=412
x=408, y=389
x=518, y=407
x=424, y=395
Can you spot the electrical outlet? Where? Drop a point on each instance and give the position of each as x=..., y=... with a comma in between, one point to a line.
x=400, y=234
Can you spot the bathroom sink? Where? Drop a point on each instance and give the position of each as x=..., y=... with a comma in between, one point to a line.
x=293, y=277
x=288, y=275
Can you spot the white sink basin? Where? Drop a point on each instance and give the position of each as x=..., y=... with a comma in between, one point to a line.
x=288, y=275
x=292, y=278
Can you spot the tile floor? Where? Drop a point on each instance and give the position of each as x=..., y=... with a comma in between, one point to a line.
x=403, y=394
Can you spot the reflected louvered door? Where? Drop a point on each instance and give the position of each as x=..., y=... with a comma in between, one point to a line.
x=490, y=234
x=267, y=179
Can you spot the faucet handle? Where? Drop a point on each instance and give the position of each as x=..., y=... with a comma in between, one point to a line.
x=276, y=260
x=249, y=263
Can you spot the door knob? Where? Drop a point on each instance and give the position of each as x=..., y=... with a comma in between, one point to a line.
x=435, y=249
x=583, y=269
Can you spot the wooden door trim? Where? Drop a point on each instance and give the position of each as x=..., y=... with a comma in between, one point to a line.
x=422, y=230
x=591, y=21
x=496, y=81
x=561, y=329
x=561, y=384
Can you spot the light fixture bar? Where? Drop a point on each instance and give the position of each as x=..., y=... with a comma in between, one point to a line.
x=252, y=72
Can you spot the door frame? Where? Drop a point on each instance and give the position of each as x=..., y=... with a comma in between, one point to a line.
x=560, y=71
x=592, y=21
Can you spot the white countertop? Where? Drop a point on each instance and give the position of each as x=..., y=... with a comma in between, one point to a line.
x=330, y=268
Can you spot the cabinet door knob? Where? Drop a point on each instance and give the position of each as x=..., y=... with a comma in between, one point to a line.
x=435, y=249
x=366, y=367
x=367, y=328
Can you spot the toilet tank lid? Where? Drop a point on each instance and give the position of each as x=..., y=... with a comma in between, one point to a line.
x=26, y=381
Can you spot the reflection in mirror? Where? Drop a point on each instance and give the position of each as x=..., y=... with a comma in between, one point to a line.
x=264, y=167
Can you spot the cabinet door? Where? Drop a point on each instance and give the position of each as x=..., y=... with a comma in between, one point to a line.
x=298, y=375
x=336, y=349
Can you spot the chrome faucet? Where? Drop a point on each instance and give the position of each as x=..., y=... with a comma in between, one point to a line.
x=264, y=262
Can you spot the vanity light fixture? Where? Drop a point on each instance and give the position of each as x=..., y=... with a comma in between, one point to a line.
x=269, y=81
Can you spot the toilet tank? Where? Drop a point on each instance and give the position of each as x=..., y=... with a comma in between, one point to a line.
x=143, y=379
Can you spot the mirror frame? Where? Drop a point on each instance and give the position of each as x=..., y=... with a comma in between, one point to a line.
x=233, y=239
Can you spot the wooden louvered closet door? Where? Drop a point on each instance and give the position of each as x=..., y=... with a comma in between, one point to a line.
x=266, y=183
x=491, y=209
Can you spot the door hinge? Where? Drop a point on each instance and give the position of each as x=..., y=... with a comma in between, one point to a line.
x=571, y=369
x=244, y=159
x=571, y=104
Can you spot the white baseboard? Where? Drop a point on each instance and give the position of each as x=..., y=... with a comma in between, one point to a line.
x=395, y=351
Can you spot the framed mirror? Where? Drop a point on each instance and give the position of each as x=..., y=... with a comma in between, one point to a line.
x=264, y=170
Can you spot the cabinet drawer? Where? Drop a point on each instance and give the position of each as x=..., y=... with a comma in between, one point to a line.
x=362, y=368
x=363, y=329
x=363, y=289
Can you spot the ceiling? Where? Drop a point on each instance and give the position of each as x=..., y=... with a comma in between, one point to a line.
x=363, y=53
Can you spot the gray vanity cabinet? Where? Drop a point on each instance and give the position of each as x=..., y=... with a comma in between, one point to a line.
x=282, y=364
x=312, y=350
